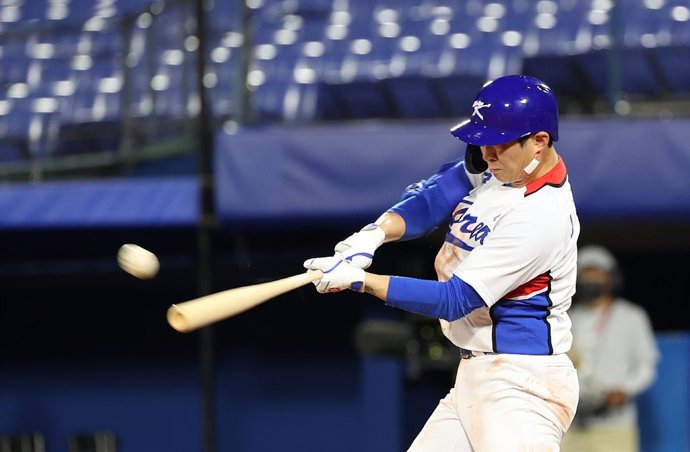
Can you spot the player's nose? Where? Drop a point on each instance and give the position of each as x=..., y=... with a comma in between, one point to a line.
x=488, y=153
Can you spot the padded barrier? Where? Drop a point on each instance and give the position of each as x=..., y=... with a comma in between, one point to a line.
x=619, y=168
x=145, y=202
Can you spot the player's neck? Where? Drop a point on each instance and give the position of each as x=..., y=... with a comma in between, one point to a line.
x=546, y=164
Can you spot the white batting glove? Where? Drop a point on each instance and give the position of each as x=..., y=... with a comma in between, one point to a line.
x=338, y=274
x=359, y=248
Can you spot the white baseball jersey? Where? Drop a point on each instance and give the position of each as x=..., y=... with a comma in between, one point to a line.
x=517, y=247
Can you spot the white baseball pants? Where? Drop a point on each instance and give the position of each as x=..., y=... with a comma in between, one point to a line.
x=504, y=403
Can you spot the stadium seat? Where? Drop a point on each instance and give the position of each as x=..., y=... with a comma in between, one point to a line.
x=563, y=74
x=414, y=97
x=674, y=64
x=637, y=77
x=456, y=93
x=361, y=99
x=383, y=48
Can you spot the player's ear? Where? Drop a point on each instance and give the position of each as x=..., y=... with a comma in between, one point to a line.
x=541, y=140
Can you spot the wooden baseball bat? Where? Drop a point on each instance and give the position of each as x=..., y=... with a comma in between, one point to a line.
x=193, y=314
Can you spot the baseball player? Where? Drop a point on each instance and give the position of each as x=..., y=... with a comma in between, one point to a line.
x=506, y=274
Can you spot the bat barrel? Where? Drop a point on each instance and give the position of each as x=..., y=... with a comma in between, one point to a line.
x=202, y=311
x=177, y=319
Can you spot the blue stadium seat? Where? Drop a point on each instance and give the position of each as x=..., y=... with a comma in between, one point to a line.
x=361, y=99
x=674, y=64
x=562, y=36
x=34, y=10
x=269, y=100
x=680, y=29
x=640, y=23
x=12, y=150
x=19, y=119
x=14, y=69
x=223, y=91
x=562, y=73
x=637, y=77
x=224, y=16
x=385, y=80
x=414, y=97
x=474, y=60
x=52, y=70
x=457, y=92
x=427, y=59
x=88, y=103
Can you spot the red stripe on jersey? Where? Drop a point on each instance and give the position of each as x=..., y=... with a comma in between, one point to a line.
x=538, y=284
x=555, y=177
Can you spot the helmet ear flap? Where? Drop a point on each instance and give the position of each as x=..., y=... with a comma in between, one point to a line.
x=474, y=162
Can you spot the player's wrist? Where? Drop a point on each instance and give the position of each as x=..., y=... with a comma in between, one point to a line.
x=374, y=233
x=358, y=279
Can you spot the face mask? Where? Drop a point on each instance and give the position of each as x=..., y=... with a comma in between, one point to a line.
x=587, y=291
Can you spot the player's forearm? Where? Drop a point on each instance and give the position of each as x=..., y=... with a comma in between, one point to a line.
x=448, y=300
x=393, y=225
x=377, y=285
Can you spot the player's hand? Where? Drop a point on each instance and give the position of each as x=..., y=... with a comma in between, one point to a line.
x=338, y=274
x=359, y=248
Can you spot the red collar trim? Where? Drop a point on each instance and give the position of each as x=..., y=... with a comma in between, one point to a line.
x=556, y=177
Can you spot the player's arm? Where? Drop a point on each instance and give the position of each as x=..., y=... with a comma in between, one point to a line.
x=422, y=208
x=429, y=203
x=359, y=248
x=448, y=300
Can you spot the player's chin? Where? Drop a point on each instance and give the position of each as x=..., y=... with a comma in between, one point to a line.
x=497, y=173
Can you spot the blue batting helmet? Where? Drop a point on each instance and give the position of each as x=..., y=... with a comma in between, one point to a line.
x=504, y=110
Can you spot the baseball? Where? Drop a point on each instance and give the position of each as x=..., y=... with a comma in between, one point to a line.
x=137, y=261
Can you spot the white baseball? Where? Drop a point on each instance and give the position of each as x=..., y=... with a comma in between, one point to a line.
x=138, y=261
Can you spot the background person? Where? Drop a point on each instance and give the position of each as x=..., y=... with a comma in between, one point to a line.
x=616, y=354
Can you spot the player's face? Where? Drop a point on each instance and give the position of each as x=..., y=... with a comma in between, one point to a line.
x=508, y=160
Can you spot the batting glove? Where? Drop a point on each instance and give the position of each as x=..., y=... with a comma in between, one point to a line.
x=338, y=274
x=359, y=248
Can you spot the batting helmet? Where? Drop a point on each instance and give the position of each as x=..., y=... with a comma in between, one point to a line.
x=504, y=110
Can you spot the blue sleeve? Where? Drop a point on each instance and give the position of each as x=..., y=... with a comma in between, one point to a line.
x=428, y=203
x=449, y=300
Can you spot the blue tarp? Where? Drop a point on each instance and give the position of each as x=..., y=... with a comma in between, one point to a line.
x=619, y=168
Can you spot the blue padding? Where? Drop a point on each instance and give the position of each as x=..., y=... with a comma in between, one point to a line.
x=630, y=168
x=151, y=202
x=664, y=409
x=618, y=168
x=354, y=171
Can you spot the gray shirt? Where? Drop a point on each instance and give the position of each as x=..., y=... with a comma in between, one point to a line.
x=614, y=349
